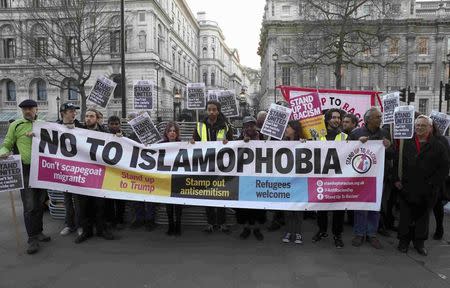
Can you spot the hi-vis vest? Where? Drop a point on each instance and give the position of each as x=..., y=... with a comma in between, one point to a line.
x=203, y=133
x=339, y=137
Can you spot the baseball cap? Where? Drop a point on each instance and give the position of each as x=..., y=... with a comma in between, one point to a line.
x=67, y=106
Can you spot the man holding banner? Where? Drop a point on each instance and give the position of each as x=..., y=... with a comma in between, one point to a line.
x=333, y=119
x=19, y=135
x=214, y=128
x=424, y=167
x=366, y=222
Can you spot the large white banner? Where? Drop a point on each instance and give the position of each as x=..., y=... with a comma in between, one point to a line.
x=285, y=175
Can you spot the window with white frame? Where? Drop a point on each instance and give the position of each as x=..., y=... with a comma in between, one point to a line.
x=423, y=106
x=141, y=17
x=286, y=10
x=394, y=46
x=286, y=46
x=10, y=91
x=41, y=90
x=422, y=46
x=286, y=75
x=423, y=76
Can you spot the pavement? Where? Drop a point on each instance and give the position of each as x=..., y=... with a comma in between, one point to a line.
x=152, y=259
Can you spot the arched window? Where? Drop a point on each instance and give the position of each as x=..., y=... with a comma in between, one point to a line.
x=9, y=42
x=10, y=91
x=205, y=52
x=214, y=53
x=41, y=90
x=213, y=79
x=205, y=78
x=160, y=39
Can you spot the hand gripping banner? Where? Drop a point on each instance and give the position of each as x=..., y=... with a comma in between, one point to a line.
x=278, y=175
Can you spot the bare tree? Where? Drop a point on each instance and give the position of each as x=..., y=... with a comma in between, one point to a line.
x=65, y=37
x=337, y=33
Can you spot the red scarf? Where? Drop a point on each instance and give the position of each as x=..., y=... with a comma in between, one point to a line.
x=418, y=142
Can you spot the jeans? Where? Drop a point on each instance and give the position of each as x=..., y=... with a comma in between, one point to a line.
x=366, y=223
x=71, y=211
x=216, y=216
x=144, y=211
x=33, y=205
x=338, y=221
x=294, y=221
x=92, y=212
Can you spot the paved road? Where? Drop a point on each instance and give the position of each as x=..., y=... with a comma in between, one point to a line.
x=152, y=259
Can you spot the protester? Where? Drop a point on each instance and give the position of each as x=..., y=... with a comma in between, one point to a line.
x=366, y=222
x=172, y=134
x=214, y=127
x=68, y=113
x=92, y=209
x=250, y=219
x=424, y=167
x=442, y=198
x=144, y=212
x=349, y=123
x=293, y=218
x=20, y=135
x=114, y=208
x=333, y=119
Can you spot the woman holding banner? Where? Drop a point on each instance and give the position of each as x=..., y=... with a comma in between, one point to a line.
x=293, y=219
x=172, y=134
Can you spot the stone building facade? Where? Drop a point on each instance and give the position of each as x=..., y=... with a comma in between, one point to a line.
x=419, y=30
x=165, y=43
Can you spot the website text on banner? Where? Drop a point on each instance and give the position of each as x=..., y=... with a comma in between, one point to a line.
x=268, y=175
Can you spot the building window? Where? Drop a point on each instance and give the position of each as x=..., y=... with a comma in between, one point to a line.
x=423, y=106
x=114, y=41
x=394, y=77
x=141, y=17
x=394, y=46
x=312, y=47
x=204, y=52
x=395, y=9
x=213, y=53
x=365, y=78
x=72, y=91
x=286, y=46
x=36, y=3
x=286, y=76
x=368, y=9
x=41, y=47
x=4, y=3
x=10, y=48
x=300, y=8
x=10, y=91
x=160, y=39
x=71, y=46
x=173, y=60
x=142, y=40
x=286, y=10
x=213, y=79
x=41, y=90
x=422, y=46
x=205, y=78
x=273, y=8
x=423, y=73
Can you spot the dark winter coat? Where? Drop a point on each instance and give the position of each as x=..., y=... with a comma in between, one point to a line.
x=423, y=172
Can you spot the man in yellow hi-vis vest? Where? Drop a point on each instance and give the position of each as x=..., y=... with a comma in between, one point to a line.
x=333, y=119
x=214, y=128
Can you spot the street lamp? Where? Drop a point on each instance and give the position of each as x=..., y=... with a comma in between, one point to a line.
x=57, y=107
x=176, y=104
x=448, y=60
x=275, y=59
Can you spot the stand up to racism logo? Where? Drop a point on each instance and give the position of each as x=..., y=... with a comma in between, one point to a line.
x=361, y=159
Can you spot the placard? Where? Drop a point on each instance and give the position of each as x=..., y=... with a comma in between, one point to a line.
x=196, y=96
x=143, y=94
x=404, y=122
x=145, y=129
x=11, y=176
x=276, y=121
x=390, y=102
x=102, y=91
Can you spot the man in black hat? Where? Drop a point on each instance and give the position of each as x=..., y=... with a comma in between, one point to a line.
x=68, y=112
x=19, y=135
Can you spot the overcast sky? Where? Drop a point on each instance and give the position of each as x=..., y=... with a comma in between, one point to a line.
x=240, y=21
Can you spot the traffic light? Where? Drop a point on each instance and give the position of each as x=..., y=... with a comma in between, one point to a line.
x=403, y=95
x=411, y=97
x=447, y=92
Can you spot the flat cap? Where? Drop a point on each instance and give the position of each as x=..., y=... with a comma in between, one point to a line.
x=28, y=103
x=248, y=119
